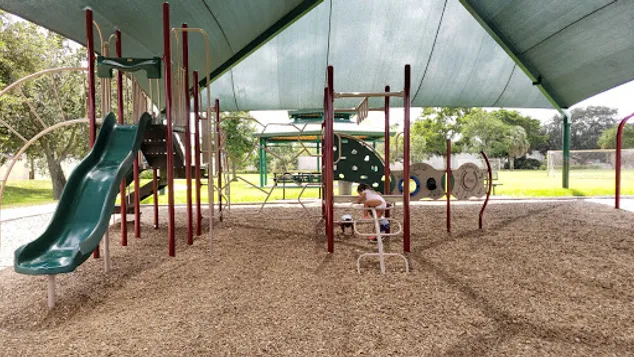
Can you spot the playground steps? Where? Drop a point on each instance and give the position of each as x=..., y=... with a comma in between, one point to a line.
x=145, y=191
x=154, y=148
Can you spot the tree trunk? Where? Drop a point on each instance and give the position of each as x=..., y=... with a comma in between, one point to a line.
x=57, y=175
x=511, y=162
x=233, y=172
x=31, y=168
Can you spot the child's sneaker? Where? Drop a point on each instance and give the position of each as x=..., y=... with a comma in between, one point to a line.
x=372, y=239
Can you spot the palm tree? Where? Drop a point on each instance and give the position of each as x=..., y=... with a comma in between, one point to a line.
x=517, y=143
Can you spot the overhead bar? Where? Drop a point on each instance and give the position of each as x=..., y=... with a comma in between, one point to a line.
x=367, y=94
x=347, y=110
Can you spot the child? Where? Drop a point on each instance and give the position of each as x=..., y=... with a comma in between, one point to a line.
x=372, y=199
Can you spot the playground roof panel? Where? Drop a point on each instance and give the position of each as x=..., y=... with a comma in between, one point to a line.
x=476, y=53
x=454, y=61
x=236, y=27
x=507, y=53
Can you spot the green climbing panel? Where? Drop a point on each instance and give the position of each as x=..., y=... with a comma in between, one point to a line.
x=357, y=162
x=151, y=66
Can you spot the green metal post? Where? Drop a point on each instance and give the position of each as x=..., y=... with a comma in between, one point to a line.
x=265, y=170
x=565, y=177
x=318, y=154
x=261, y=162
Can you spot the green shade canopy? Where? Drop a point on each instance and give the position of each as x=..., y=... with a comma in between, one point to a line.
x=485, y=53
x=578, y=48
x=236, y=27
x=575, y=48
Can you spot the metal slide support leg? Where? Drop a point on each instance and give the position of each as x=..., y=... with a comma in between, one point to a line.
x=565, y=177
x=51, y=291
x=106, y=251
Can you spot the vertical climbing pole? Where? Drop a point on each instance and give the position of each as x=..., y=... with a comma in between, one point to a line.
x=90, y=49
x=329, y=164
x=122, y=188
x=448, y=185
x=155, y=196
x=135, y=173
x=199, y=215
x=167, y=59
x=188, y=149
x=406, y=159
x=218, y=156
x=322, y=168
x=386, y=141
x=386, y=155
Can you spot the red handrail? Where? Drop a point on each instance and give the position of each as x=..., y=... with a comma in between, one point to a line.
x=490, y=184
x=619, y=144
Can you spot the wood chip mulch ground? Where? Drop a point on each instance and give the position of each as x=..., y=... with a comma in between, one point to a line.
x=543, y=279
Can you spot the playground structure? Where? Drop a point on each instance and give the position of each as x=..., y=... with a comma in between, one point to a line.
x=162, y=150
x=353, y=160
x=79, y=224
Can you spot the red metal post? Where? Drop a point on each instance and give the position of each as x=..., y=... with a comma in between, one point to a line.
x=490, y=186
x=386, y=155
x=448, y=191
x=406, y=159
x=155, y=196
x=218, y=156
x=188, y=150
x=90, y=49
x=199, y=216
x=167, y=60
x=619, y=145
x=122, y=188
x=329, y=144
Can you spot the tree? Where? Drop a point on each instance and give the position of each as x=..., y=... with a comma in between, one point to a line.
x=518, y=144
x=436, y=125
x=418, y=149
x=532, y=127
x=483, y=131
x=238, y=131
x=26, y=48
x=607, y=140
x=587, y=125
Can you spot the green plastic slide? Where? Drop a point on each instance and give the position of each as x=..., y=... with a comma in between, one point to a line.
x=83, y=213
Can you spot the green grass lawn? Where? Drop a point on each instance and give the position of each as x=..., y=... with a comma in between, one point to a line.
x=27, y=193
x=517, y=183
x=537, y=183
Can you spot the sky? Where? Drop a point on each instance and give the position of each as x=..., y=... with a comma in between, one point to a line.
x=620, y=97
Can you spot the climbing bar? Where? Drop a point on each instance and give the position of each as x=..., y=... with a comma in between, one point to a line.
x=348, y=110
x=367, y=94
x=151, y=66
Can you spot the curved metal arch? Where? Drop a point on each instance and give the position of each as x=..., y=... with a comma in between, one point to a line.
x=27, y=145
x=39, y=74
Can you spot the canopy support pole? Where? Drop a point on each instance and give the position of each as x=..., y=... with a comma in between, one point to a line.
x=565, y=177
